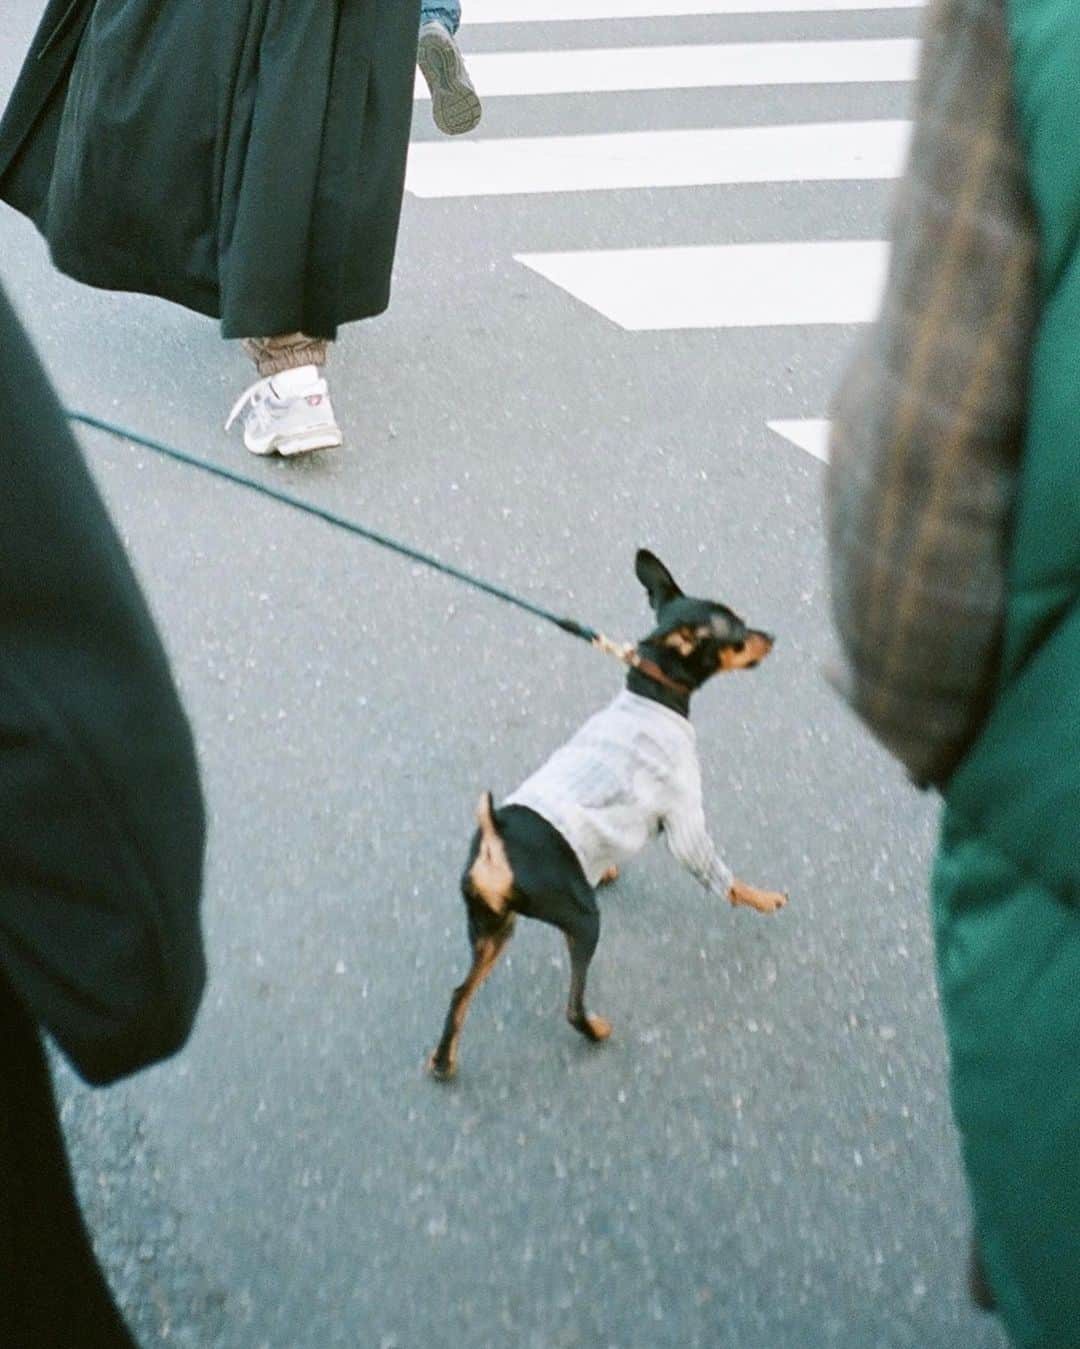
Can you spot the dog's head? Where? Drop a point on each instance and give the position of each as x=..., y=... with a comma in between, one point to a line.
x=694, y=638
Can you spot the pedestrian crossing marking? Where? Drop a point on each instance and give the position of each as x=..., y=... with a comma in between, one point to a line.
x=810, y=434
x=544, y=11
x=708, y=286
x=723, y=286
x=760, y=154
x=691, y=66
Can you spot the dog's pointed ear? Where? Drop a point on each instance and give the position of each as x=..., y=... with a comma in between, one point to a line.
x=657, y=580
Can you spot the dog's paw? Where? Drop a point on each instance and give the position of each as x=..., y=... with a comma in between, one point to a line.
x=443, y=1070
x=594, y=1028
x=763, y=901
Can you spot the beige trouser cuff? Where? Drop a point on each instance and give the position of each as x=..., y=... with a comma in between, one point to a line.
x=272, y=355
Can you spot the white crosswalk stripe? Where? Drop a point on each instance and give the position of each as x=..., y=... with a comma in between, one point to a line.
x=761, y=154
x=667, y=288
x=723, y=286
x=691, y=66
x=546, y=11
x=809, y=433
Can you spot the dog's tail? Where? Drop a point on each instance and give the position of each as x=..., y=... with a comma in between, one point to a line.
x=491, y=876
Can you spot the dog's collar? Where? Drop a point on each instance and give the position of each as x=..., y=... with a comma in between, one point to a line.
x=651, y=670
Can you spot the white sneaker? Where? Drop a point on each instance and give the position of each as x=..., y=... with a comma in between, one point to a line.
x=454, y=103
x=289, y=413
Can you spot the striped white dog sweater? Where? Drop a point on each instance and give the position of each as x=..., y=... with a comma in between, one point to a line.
x=630, y=770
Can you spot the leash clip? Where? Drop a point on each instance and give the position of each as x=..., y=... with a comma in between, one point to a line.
x=625, y=652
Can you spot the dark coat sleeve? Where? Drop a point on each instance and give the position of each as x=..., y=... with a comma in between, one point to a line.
x=101, y=814
x=929, y=421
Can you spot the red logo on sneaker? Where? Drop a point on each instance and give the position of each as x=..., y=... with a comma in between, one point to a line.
x=314, y=399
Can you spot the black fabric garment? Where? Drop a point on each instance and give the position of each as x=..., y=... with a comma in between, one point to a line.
x=101, y=815
x=52, y=1293
x=244, y=158
x=101, y=849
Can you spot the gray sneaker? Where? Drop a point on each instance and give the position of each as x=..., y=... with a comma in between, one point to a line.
x=454, y=103
x=288, y=414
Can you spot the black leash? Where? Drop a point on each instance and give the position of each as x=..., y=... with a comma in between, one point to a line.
x=569, y=625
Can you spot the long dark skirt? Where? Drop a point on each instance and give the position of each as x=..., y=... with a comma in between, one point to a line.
x=244, y=158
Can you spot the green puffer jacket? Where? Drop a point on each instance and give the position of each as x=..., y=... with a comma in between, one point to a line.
x=1007, y=878
x=244, y=158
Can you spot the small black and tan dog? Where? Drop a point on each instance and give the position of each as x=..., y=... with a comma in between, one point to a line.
x=629, y=773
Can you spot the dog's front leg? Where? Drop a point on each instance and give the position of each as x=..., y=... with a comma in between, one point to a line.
x=764, y=901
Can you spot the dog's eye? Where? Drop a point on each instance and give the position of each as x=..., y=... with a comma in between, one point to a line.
x=738, y=648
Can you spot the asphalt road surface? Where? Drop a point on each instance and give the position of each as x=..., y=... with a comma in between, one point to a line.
x=762, y=1156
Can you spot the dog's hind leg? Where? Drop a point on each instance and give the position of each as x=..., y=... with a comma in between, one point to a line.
x=487, y=946
x=486, y=888
x=582, y=933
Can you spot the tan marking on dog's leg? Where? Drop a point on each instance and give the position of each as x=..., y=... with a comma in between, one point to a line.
x=763, y=901
x=443, y=1061
x=609, y=876
x=595, y=1028
x=491, y=875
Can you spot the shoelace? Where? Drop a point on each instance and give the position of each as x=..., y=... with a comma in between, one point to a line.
x=254, y=395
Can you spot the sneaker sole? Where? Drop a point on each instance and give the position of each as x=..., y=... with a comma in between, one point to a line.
x=455, y=105
x=288, y=446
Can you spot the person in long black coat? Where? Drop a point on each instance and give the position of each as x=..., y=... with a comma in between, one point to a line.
x=101, y=849
x=244, y=158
